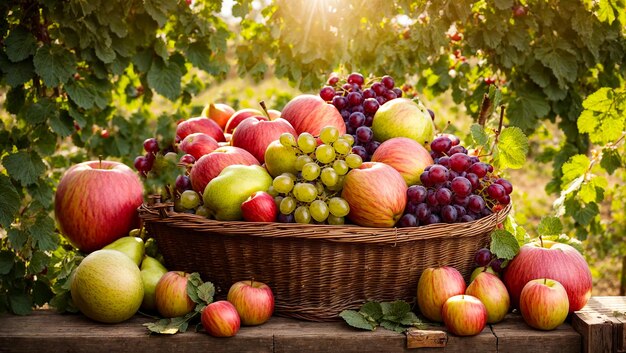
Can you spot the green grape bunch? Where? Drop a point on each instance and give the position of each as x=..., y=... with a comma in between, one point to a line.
x=313, y=195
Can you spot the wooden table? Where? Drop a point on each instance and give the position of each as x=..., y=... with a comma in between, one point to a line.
x=46, y=331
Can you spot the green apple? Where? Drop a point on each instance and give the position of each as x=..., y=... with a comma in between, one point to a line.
x=225, y=193
x=133, y=247
x=480, y=269
x=403, y=117
x=280, y=159
x=107, y=286
x=151, y=272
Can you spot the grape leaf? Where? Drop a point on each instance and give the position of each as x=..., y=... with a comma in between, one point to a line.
x=17, y=237
x=39, y=112
x=38, y=262
x=395, y=311
x=42, y=232
x=54, y=64
x=512, y=148
x=605, y=11
x=504, y=245
x=600, y=100
x=550, y=226
x=80, y=93
x=372, y=311
x=20, y=44
x=611, y=160
x=9, y=202
x=200, y=56
x=16, y=73
x=585, y=214
x=62, y=124
x=7, y=258
x=25, y=167
x=559, y=58
x=21, y=304
x=165, y=79
x=479, y=135
x=355, y=319
x=575, y=167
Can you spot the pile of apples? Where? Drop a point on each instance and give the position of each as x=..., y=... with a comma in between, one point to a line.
x=545, y=281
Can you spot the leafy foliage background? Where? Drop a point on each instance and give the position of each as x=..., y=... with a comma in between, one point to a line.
x=85, y=78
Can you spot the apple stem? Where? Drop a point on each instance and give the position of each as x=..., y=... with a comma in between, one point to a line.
x=100, y=161
x=545, y=281
x=251, y=282
x=262, y=104
x=541, y=241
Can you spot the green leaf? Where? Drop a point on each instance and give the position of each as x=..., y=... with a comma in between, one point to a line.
x=21, y=304
x=605, y=11
x=199, y=55
x=42, y=232
x=9, y=202
x=7, y=258
x=504, y=4
x=20, y=44
x=575, y=167
x=171, y=326
x=193, y=282
x=38, y=262
x=373, y=311
x=16, y=73
x=165, y=79
x=512, y=148
x=25, y=167
x=80, y=93
x=105, y=53
x=479, y=135
x=600, y=100
x=526, y=108
x=41, y=111
x=395, y=311
x=17, y=237
x=41, y=293
x=54, y=64
x=392, y=326
x=611, y=160
x=355, y=319
x=504, y=244
x=206, y=291
x=550, y=226
x=410, y=319
x=585, y=214
x=560, y=60
x=62, y=124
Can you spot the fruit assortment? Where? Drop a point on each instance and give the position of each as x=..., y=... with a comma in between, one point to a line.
x=357, y=153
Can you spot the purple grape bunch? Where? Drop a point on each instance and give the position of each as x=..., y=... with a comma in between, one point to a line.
x=456, y=188
x=358, y=101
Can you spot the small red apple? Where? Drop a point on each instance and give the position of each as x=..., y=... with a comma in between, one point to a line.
x=464, y=315
x=405, y=155
x=376, y=194
x=544, y=304
x=96, y=203
x=253, y=300
x=240, y=116
x=254, y=135
x=274, y=114
x=220, y=319
x=259, y=207
x=171, y=295
x=311, y=113
x=198, y=144
x=200, y=124
x=435, y=286
x=211, y=165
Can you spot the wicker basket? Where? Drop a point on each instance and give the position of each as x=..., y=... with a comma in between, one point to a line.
x=315, y=271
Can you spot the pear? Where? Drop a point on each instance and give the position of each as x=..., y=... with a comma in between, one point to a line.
x=133, y=247
x=151, y=272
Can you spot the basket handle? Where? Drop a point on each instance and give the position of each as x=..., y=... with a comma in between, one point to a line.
x=164, y=208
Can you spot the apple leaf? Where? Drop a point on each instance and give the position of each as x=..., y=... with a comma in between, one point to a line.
x=193, y=282
x=372, y=311
x=395, y=316
x=504, y=245
x=206, y=291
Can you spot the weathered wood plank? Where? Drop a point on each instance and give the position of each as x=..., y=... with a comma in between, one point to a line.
x=416, y=338
x=602, y=324
x=514, y=335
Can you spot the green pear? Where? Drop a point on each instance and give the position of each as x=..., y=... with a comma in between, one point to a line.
x=133, y=247
x=151, y=272
x=403, y=117
x=225, y=193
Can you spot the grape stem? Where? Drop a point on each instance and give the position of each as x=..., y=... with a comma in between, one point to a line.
x=500, y=123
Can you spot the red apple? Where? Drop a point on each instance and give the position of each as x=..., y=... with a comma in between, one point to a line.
x=220, y=319
x=211, y=165
x=544, y=304
x=200, y=124
x=310, y=113
x=96, y=203
x=405, y=155
x=198, y=144
x=240, y=116
x=274, y=114
x=376, y=194
x=492, y=292
x=259, y=207
x=253, y=300
x=171, y=295
x=434, y=287
x=218, y=112
x=560, y=262
x=255, y=135
x=464, y=315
